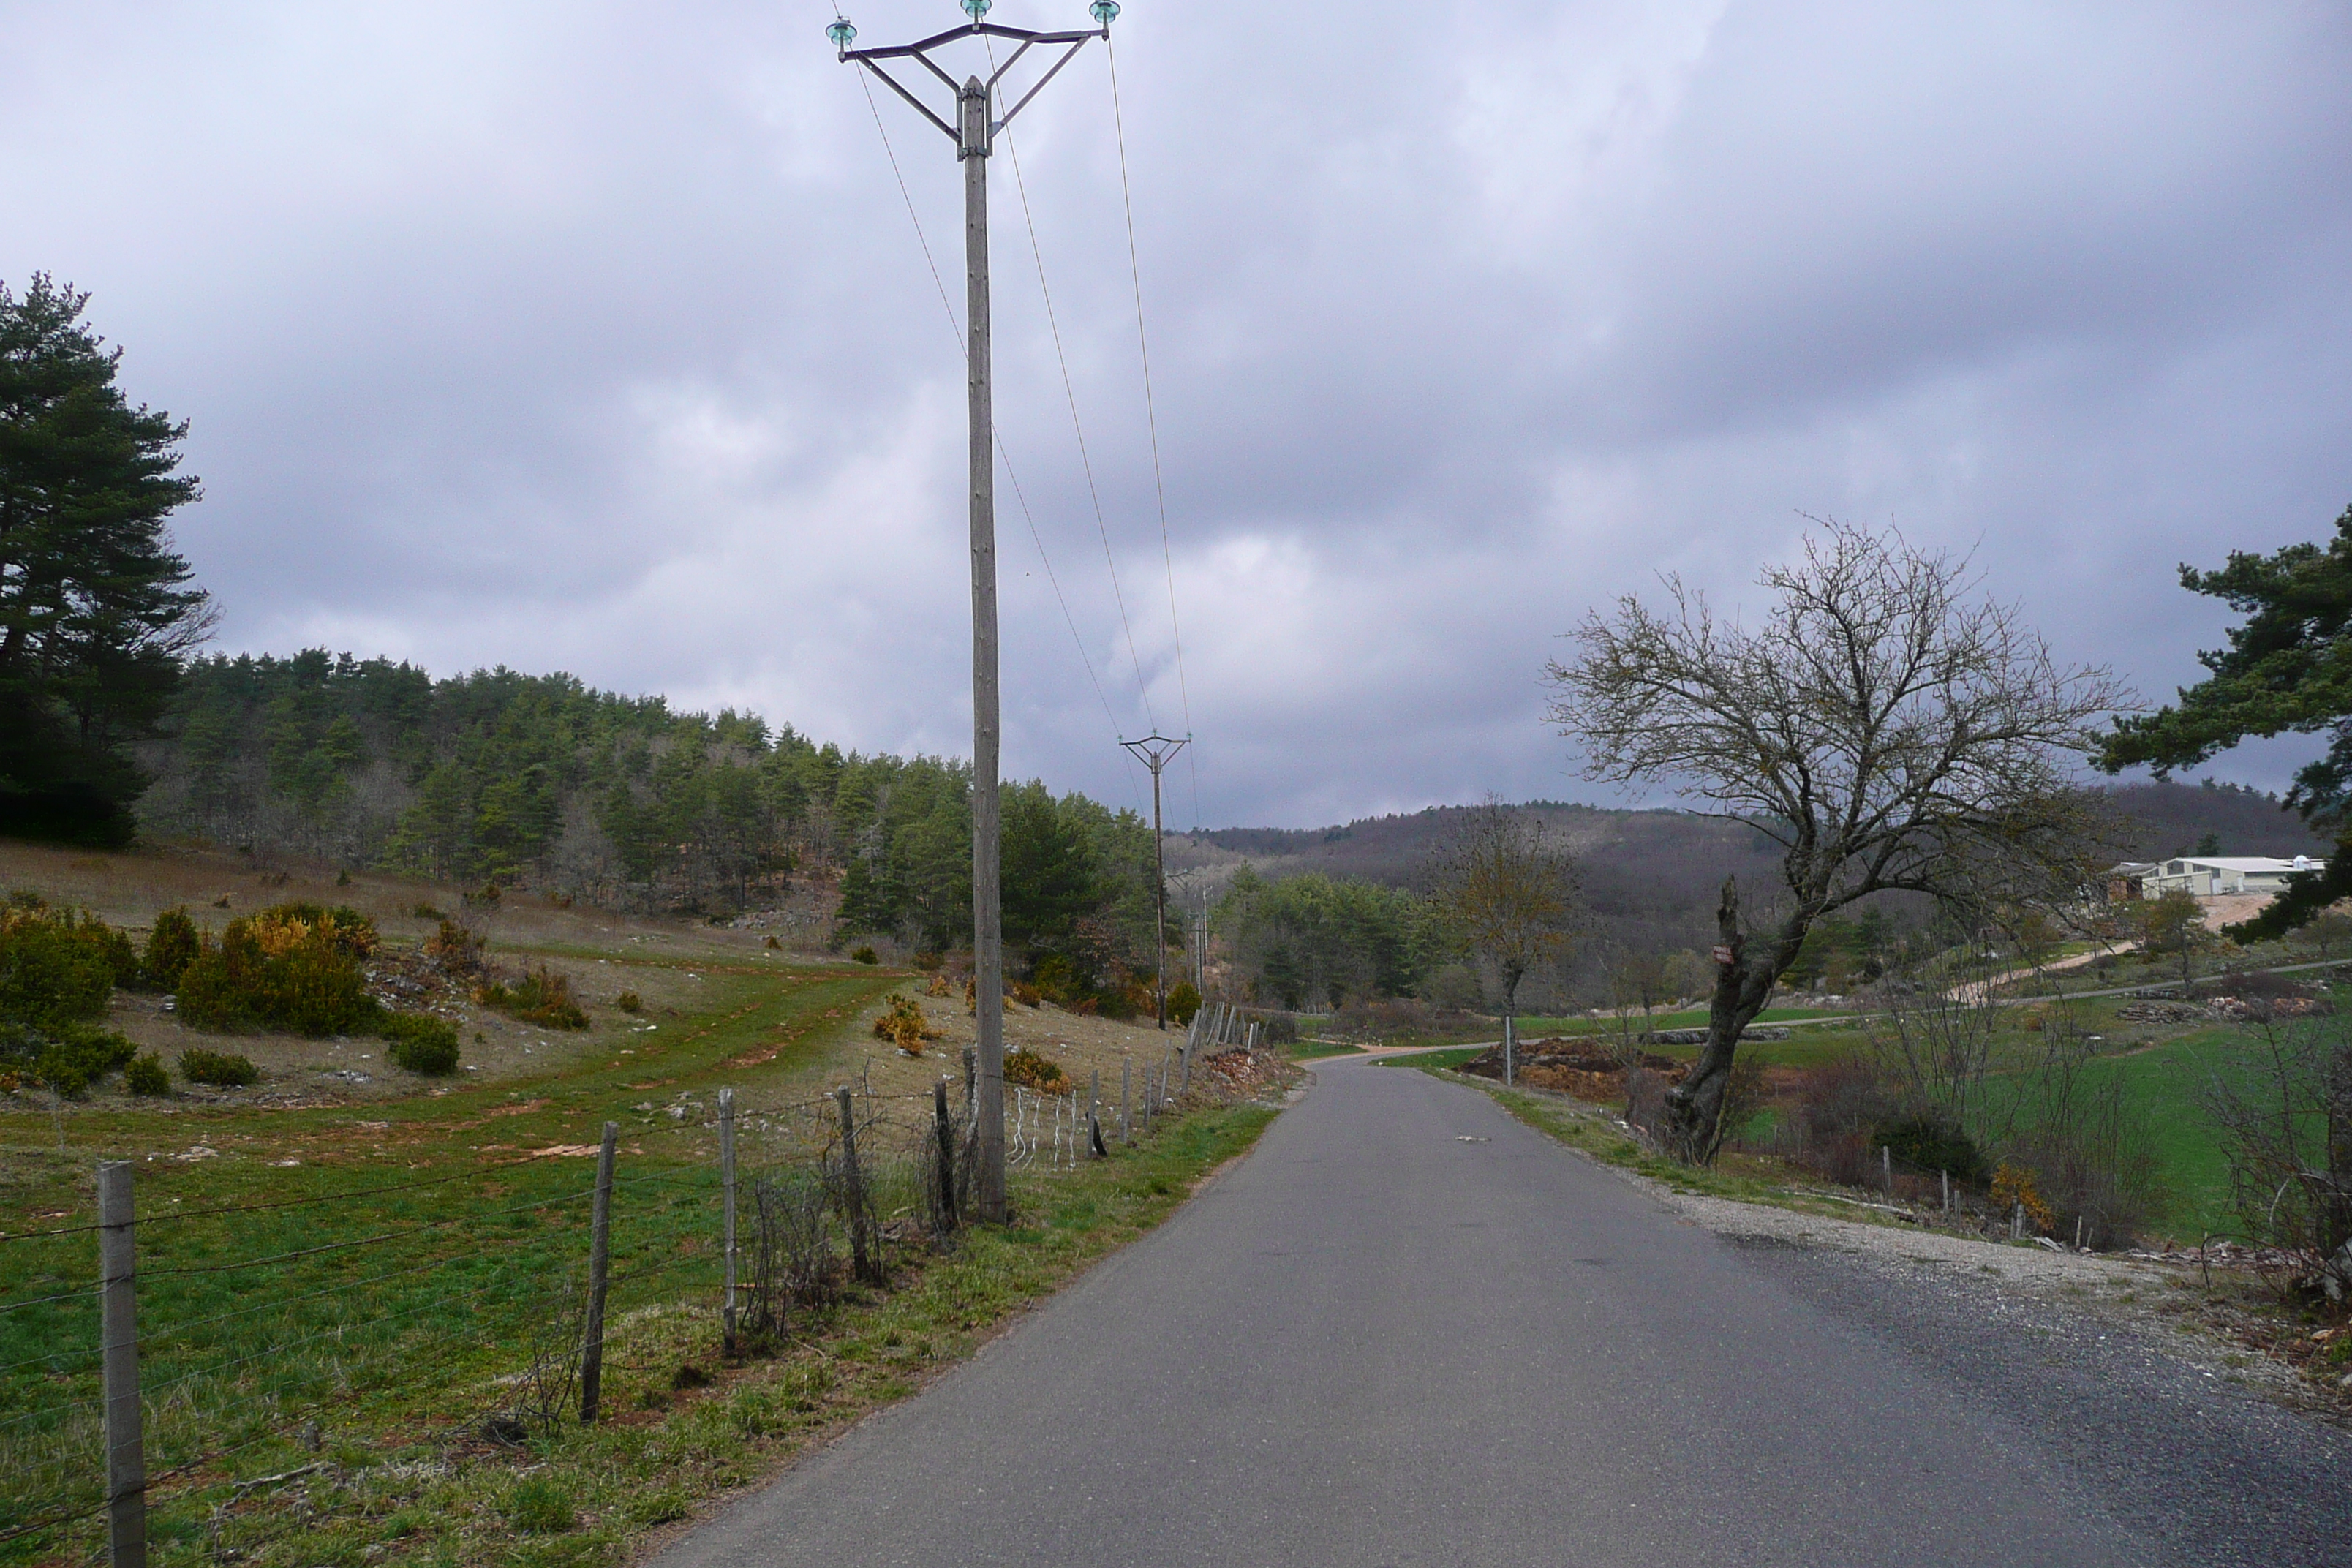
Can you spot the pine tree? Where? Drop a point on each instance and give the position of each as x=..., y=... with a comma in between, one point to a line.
x=95, y=607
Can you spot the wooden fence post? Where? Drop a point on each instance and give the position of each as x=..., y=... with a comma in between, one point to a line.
x=126, y=1455
x=944, y=1135
x=861, y=1243
x=1126, y=1100
x=1094, y=1117
x=600, y=1274
x=727, y=1200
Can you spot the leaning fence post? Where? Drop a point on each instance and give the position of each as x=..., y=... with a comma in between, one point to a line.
x=1094, y=1117
x=861, y=1251
x=600, y=1271
x=1887, y=1169
x=1947, y=1189
x=1126, y=1100
x=126, y=1455
x=727, y=1203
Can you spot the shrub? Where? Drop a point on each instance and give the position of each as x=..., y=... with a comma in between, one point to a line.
x=173, y=943
x=294, y=968
x=454, y=949
x=68, y=1057
x=224, y=1069
x=1931, y=1143
x=1056, y=980
x=903, y=1025
x=537, y=1506
x=1030, y=1070
x=541, y=996
x=865, y=955
x=425, y=912
x=58, y=967
x=147, y=1075
x=1183, y=1001
x=421, y=1044
x=2013, y=1187
x=629, y=1002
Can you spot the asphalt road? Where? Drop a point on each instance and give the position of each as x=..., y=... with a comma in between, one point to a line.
x=1408, y=1331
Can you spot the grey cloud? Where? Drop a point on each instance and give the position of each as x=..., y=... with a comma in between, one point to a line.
x=584, y=336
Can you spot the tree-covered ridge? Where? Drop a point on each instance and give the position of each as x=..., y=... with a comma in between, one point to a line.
x=543, y=782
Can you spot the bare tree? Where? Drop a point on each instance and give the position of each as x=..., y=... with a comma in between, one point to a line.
x=1509, y=891
x=1885, y=728
x=2283, y=1110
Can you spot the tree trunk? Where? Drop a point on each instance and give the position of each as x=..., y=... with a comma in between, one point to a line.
x=1742, y=986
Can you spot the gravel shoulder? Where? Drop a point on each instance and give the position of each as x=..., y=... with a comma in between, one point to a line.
x=2124, y=1372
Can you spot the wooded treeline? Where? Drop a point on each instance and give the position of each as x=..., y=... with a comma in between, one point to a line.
x=542, y=782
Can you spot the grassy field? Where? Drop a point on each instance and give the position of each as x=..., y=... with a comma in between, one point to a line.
x=2165, y=1073
x=1686, y=1018
x=390, y=1260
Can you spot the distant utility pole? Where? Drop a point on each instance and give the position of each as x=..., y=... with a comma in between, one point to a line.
x=974, y=135
x=1153, y=751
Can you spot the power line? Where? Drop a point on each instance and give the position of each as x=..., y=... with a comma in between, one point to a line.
x=1070, y=391
x=1151, y=420
x=956, y=327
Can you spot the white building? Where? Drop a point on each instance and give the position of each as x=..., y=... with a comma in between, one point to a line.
x=2212, y=876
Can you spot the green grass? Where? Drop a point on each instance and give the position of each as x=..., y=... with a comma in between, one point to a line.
x=1687, y=1018
x=400, y=1347
x=1315, y=1050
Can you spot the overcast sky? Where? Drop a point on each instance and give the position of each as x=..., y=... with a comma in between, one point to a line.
x=598, y=337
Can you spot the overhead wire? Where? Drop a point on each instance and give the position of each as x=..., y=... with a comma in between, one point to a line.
x=1078, y=428
x=955, y=326
x=1151, y=422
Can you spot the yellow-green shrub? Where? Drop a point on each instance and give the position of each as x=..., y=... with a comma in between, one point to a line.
x=295, y=968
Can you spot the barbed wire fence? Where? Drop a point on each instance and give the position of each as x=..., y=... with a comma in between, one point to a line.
x=174, y=1376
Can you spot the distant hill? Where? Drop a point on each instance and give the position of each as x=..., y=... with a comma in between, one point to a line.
x=1651, y=877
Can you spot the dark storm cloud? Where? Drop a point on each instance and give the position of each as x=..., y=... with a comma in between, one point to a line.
x=594, y=337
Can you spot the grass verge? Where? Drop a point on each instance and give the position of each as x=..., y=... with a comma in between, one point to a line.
x=409, y=1479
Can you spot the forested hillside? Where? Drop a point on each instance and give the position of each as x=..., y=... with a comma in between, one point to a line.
x=541, y=782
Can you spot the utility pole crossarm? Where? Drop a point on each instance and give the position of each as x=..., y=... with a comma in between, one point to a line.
x=1154, y=752
x=920, y=53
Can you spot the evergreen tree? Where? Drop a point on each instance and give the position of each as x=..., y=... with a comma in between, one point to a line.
x=95, y=607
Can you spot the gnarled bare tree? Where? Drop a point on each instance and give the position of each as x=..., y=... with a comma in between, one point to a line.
x=1884, y=724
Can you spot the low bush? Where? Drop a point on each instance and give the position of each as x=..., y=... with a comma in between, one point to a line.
x=454, y=950
x=1931, y=1143
x=541, y=996
x=1027, y=1069
x=68, y=1058
x=421, y=1044
x=173, y=943
x=147, y=1075
x=865, y=955
x=223, y=1069
x=629, y=1002
x=903, y=1025
x=60, y=966
x=1183, y=1001
x=295, y=974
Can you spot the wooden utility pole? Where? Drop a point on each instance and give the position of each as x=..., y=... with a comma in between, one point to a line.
x=975, y=134
x=1153, y=751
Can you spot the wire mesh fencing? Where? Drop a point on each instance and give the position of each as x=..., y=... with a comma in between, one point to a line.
x=488, y=1307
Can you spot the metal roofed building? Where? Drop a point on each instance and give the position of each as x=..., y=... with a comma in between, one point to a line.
x=2212, y=876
